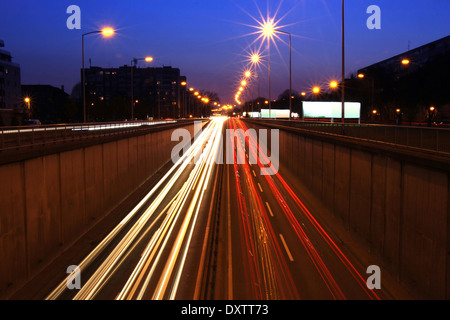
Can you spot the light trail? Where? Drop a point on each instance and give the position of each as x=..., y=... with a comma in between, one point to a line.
x=271, y=277
x=204, y=150
x=315, y=257
x=86, y=127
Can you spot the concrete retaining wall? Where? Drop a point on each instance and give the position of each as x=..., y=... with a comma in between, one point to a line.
x=394, y=199
x=48, y=202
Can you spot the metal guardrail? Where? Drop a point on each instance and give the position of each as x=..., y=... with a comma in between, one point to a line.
x=16, y=138
x=434, y=139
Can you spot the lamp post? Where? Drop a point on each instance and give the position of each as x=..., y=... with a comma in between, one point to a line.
x=290, y=70
x=133, y=64
x=268, y=30
x=431, y=111
x=28, y=101
x=107, y=32
x=372, y=94
x=255, y=59
x=183, y=109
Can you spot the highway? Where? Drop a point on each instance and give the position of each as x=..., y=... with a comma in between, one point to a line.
x=151, y=243
x=211, y=229
x=282, y=249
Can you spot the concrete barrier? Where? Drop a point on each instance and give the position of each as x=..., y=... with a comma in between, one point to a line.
x=48, y=202
x=395, y=199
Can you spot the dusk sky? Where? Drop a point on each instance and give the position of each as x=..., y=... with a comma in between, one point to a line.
x=209, y=40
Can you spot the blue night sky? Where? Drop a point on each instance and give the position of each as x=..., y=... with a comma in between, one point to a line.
x=210, y=39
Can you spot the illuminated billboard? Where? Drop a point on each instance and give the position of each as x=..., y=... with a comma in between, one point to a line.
x=275, y=113
x=327, y=109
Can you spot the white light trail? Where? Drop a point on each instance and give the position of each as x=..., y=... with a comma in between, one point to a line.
x=191, y=193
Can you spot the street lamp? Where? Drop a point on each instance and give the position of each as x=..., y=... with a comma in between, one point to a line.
x=268, y=30
x=405, y=62
x=374, y=114
x=431, y=111
x=290, y=70
x=27, y=101
x=256, y=58
x=398, y=120
x=316, y=90
x=106, y=32
x=133, y=64
x=333, y=84
x=372, y=93
x=184, y=109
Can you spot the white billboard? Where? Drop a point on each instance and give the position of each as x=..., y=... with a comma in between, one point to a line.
x=332, y=110
x=252, y=114
x=275, y=113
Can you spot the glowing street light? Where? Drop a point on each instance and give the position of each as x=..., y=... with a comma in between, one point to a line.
x=405, y=62
x=107, y=33
x=268, y=29
x=333, y=84
x=28, y=102
x=316, y=90
x=255, y=59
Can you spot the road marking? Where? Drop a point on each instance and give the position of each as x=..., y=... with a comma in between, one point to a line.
x=286, y=248
x=260, y=187
x=270, y=210
x=254, y=173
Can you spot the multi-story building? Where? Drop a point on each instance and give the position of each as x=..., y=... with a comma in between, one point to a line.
x=13, y=109
x=10, y=90
x=48, y=104
x=118, y=93
x=408, y=84
x=413, y=59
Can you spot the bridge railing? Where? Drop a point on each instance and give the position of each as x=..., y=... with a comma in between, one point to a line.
x=429, y=138
x=16, y=138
